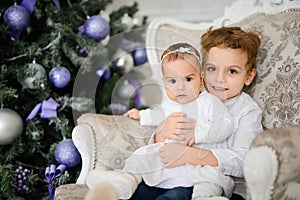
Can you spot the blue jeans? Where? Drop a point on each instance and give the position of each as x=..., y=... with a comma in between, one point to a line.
x=145, y=192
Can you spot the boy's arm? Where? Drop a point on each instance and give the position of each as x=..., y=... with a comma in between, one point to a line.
x=230, y=161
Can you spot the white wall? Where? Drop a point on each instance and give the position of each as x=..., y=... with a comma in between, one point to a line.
x=187, y=10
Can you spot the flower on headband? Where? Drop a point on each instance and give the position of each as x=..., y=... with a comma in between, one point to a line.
x=184, y=50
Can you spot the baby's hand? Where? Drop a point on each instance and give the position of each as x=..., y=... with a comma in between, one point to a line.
x=133, y=114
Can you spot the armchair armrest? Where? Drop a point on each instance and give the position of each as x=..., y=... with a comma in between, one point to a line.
x=105, y=141
x=272, y=165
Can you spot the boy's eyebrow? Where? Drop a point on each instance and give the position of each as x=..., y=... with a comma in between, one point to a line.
x=208, y=63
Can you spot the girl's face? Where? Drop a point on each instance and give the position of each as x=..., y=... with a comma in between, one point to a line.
x=182, y=81
x=225, y=73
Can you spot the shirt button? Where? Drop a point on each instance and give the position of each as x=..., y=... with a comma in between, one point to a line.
x=223, y=170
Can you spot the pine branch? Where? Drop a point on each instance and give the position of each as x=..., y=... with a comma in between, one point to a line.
x=38, y=50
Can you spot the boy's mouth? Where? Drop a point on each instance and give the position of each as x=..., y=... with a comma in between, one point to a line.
x=216, y=88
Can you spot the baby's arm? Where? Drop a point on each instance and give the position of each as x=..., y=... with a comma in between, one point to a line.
x=133, y=114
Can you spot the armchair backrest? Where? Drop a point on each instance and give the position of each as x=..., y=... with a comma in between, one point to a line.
x=276, y=87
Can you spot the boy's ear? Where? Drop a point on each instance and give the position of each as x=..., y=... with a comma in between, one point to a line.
x=250, y=77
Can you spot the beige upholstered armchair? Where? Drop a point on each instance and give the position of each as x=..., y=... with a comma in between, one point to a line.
x=272, y=166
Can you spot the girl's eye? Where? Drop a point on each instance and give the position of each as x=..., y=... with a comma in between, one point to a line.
x=188, y=79
x=172, y=81
x=232, y=71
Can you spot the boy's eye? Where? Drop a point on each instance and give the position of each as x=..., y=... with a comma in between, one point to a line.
x=211, y=68
x=232, y=71
x=188, y=79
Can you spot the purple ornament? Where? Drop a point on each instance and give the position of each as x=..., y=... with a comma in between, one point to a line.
x=60, y=76
x=140, y=55
x=17, y=18
x=104, y=72
x=96, y=28
x=66, y=153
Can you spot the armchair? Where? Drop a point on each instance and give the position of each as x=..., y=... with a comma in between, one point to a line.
x=272, y=164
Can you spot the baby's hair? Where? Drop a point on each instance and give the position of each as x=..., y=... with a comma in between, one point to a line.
x=234, y=38
x=182, y=51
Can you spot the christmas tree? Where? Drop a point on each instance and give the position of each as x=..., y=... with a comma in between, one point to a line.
x=60, y=59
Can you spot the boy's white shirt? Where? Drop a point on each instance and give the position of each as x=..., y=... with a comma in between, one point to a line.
x=231, y=152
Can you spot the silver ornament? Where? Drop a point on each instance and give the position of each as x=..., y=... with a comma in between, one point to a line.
x=28, y=82
x=122, y=62
x=11, y=126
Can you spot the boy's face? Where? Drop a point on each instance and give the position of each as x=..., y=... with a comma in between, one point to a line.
x=182, y=81
x=225, y=72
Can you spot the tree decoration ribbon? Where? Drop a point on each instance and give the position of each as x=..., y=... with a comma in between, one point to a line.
x=30, y=4
x=47, y=107
x=51, y=173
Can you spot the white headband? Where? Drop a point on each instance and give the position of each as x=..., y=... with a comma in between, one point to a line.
x=181, y=50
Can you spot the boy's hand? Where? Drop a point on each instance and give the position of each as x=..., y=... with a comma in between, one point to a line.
x=173, y=154
x=133, y=114
x=189, y=139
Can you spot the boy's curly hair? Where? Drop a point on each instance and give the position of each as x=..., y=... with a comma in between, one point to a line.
x=234, y=38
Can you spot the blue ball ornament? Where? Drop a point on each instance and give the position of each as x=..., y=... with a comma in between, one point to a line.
x=60, y=76
x=66, y=153
x=140, y=56
x=17, y=18
x=96, y=28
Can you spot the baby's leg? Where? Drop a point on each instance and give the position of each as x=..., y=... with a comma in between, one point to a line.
x=207, y=191
x=122, y=184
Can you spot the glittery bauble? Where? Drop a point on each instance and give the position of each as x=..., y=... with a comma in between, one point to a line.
x=66, y=153
x=122, y=62
x=96, y=28
x=17, y=18
x=11, y=126
x=60, y=76
x=40, y=73
x=140, y=55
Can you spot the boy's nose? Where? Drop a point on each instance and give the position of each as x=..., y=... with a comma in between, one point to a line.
x=221, y=77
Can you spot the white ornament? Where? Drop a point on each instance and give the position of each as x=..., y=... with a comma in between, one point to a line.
x=127, y=21
x=11, y=126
